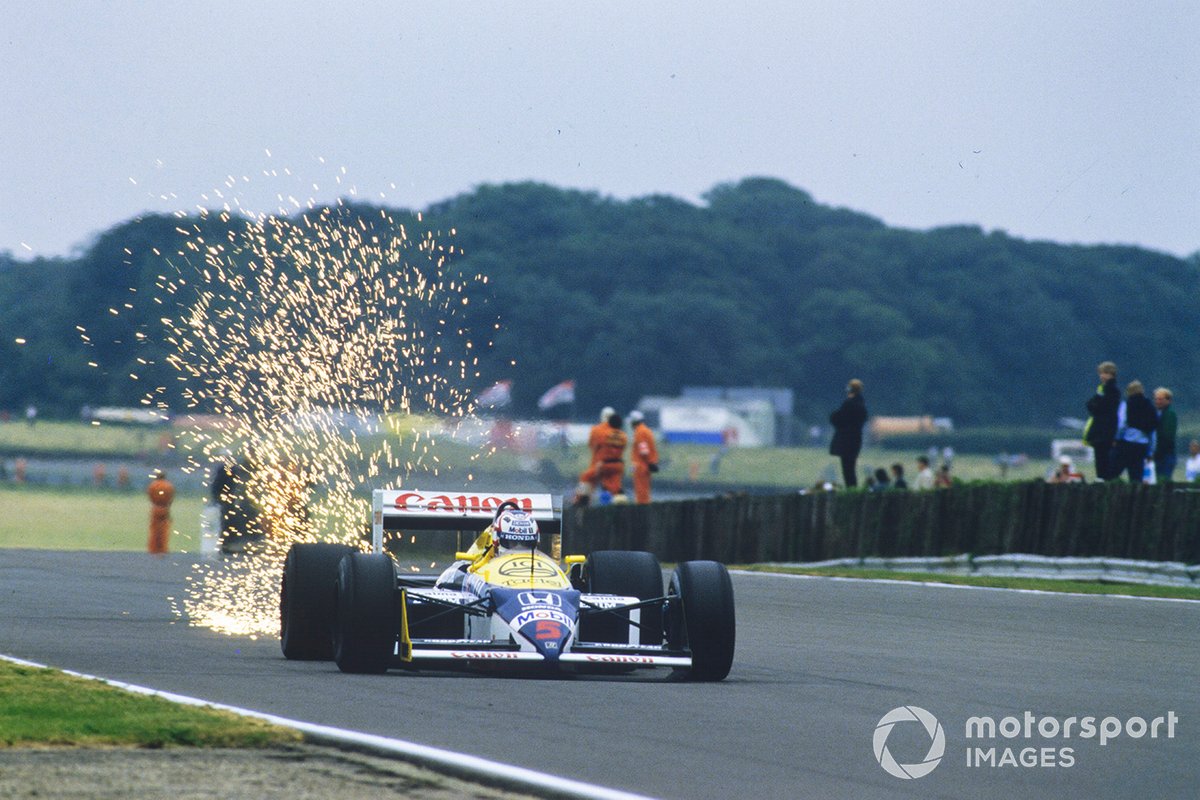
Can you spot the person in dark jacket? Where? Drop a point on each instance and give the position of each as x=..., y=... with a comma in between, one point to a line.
x=1137, y=420
x=848, y=421
x=1101, y=429
x=1164, y=436
x=221, y=489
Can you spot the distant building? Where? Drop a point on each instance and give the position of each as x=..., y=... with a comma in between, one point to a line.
x=783, y=403
x=712, y=420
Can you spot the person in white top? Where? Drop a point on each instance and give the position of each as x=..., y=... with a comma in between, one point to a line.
x=1192, y=470
x=924, y=479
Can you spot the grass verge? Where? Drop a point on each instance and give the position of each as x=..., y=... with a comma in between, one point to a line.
x=787, y=468
x=90, y=519
x=82, y=439
x=44, y=707
x=994, y=582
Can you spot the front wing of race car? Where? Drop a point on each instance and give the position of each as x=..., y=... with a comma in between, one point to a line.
x=531, y=627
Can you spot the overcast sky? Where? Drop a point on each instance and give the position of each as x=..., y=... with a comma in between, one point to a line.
x=1069, y=121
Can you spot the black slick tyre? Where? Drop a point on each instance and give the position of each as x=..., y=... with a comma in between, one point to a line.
x=702, y=618
x=629, y=573
x=365, y=622
x=306, y=597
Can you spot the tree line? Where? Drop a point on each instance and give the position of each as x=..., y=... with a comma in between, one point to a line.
x=758, y=285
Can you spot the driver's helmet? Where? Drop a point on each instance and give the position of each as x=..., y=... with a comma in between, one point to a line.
x=516, y=528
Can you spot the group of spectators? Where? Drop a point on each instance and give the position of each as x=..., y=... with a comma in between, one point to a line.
x=926, y=477
x=848, y=420
x=1127, y=432
x=604, y=478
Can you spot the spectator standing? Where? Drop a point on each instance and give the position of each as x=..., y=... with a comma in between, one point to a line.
x=222, y=492
x=881, y=481
x=898, y=481
x=1164, y=436
x=1191, y=469
x=848, y=421
x=161, y=494
x=31, y=414
x=1100, y=431
x=232, y=487
x=645, y=457
x=1136, y=421
x=943, y=480
x=925, y=478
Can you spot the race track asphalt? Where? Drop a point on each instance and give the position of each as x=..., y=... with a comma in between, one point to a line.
x=819, y=663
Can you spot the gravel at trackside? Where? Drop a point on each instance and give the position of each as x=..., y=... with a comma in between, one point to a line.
x=291, y=772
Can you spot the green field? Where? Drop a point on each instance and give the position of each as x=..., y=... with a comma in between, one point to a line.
x=783, y=467
x=45, y=707
x=74, y=518
x=804, y=466
x=81, y=438
x=71, y=518
x=89, y=519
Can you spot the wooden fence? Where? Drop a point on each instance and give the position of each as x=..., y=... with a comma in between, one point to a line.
x=1119, y=520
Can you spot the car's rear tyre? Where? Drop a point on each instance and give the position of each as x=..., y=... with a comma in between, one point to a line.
x=702, y=618
x=630, y=573
x=306, y=600
x=365, y=627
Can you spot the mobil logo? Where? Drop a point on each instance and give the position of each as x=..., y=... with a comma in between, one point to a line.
x=534, y=599
x=541, y=614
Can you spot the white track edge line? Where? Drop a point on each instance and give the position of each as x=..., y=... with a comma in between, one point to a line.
x=941, y=585
x=463, y=765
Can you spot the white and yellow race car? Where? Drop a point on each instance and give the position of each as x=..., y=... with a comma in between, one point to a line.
x=503, y=602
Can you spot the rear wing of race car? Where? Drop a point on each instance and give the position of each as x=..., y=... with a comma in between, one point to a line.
x=410, y=509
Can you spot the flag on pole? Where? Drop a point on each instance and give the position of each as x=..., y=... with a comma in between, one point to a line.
x=499, y=394
x=557, y=395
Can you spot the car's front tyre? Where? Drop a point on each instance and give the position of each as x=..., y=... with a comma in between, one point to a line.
x=365, y=626
x=702, y=618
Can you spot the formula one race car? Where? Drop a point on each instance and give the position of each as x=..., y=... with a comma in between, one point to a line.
x=503, y=603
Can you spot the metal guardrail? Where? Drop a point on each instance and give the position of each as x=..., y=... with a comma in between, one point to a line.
x=1021, y=565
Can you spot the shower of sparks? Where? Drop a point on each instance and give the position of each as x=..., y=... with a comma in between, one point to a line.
x=303, y=344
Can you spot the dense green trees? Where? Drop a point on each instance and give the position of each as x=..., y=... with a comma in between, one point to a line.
x=760, y=285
